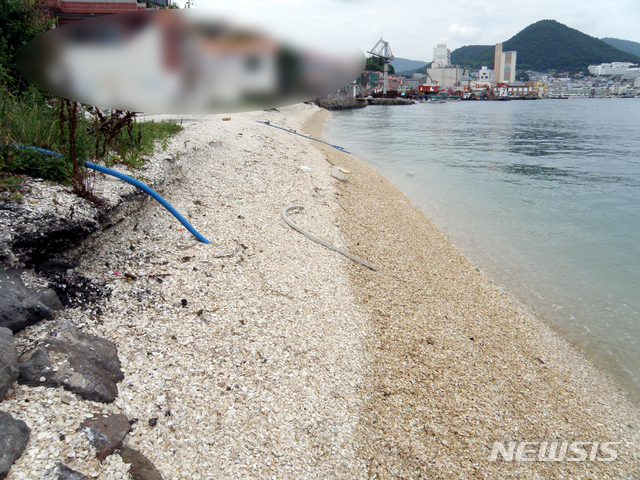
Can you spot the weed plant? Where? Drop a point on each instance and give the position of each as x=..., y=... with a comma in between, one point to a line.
x=75, y=131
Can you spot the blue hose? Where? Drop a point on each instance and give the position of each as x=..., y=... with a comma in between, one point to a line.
x=151, y=192
x=337, y=147
x=135, y=183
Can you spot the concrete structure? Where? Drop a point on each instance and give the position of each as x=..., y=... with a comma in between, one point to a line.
x=614, y=68
x=350, y=91
x=441, y=56
x=504, y=65
x=446, y=77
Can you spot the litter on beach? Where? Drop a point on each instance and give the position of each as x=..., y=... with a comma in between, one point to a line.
x=340, y=173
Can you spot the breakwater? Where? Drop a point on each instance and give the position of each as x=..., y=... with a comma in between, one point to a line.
x=351, y=103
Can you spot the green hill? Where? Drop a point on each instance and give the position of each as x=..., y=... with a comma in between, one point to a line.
x=625, y=45
x=546, y=45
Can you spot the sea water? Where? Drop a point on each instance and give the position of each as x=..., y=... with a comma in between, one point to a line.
x=544, y=196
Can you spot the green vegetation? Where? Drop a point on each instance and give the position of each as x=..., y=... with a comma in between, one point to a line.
x=20, y=21
x=75, y=131
x=546, y=45
x=474, y=56
x=377, y=65
x=30, y=117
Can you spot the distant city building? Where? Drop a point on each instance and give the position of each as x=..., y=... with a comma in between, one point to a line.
x=485, y=75
x=617, y=89
x=411, y=83
x=614, y=68
x=504, y=66
x=441, y=56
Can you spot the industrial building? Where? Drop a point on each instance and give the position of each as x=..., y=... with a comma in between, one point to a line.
x=441, y=56
x=504, y=66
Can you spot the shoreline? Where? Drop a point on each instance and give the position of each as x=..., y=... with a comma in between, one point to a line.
x=264, y=354
x=461, y=315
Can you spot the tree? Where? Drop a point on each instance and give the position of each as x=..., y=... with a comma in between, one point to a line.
x=20, y=21
x=377, y=65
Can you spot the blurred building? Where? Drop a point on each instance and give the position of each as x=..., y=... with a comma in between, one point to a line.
x=69, y=11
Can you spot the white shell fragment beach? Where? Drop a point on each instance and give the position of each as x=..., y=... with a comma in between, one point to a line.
x=267, y=355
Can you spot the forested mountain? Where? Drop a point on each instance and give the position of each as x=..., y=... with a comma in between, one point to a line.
x=546, y=45
x=403, y=64
x=624, y=45
x=471, y=55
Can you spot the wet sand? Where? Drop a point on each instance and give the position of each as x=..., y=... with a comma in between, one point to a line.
x=454, y=363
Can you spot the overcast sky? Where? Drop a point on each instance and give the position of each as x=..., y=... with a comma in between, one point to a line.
x=414, y=27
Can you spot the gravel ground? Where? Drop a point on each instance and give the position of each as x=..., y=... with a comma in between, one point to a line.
x=265, y=355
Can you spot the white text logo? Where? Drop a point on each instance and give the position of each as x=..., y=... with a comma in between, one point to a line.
x=554, y=451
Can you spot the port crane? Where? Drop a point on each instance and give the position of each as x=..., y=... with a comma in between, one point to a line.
x=383, y=51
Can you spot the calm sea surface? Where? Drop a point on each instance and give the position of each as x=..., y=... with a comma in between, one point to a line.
x=543, y=195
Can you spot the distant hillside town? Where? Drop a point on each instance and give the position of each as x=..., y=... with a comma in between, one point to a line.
x=545, y=60
x=444, y=80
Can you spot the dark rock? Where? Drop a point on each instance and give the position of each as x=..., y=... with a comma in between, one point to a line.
x=75, y=290
x=65, y=473
x=85, y=364
x=49, y=297
x=53, y=266
x=8, y=361
x=141, y=468
x=345, y=104
x=14, y=435
x=106, y=432
x=36, y=233
x=153, y=421
x=19, y=307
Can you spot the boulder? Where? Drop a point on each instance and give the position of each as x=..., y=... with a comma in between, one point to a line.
x=65, y=473
x=141, y=467
x=106, y=432
x=19, y=306
x=8, y=361
x=14, y=435
x=84, y=364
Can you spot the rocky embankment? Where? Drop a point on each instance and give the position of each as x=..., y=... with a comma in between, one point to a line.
x=35, y=287
x=351, y=103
